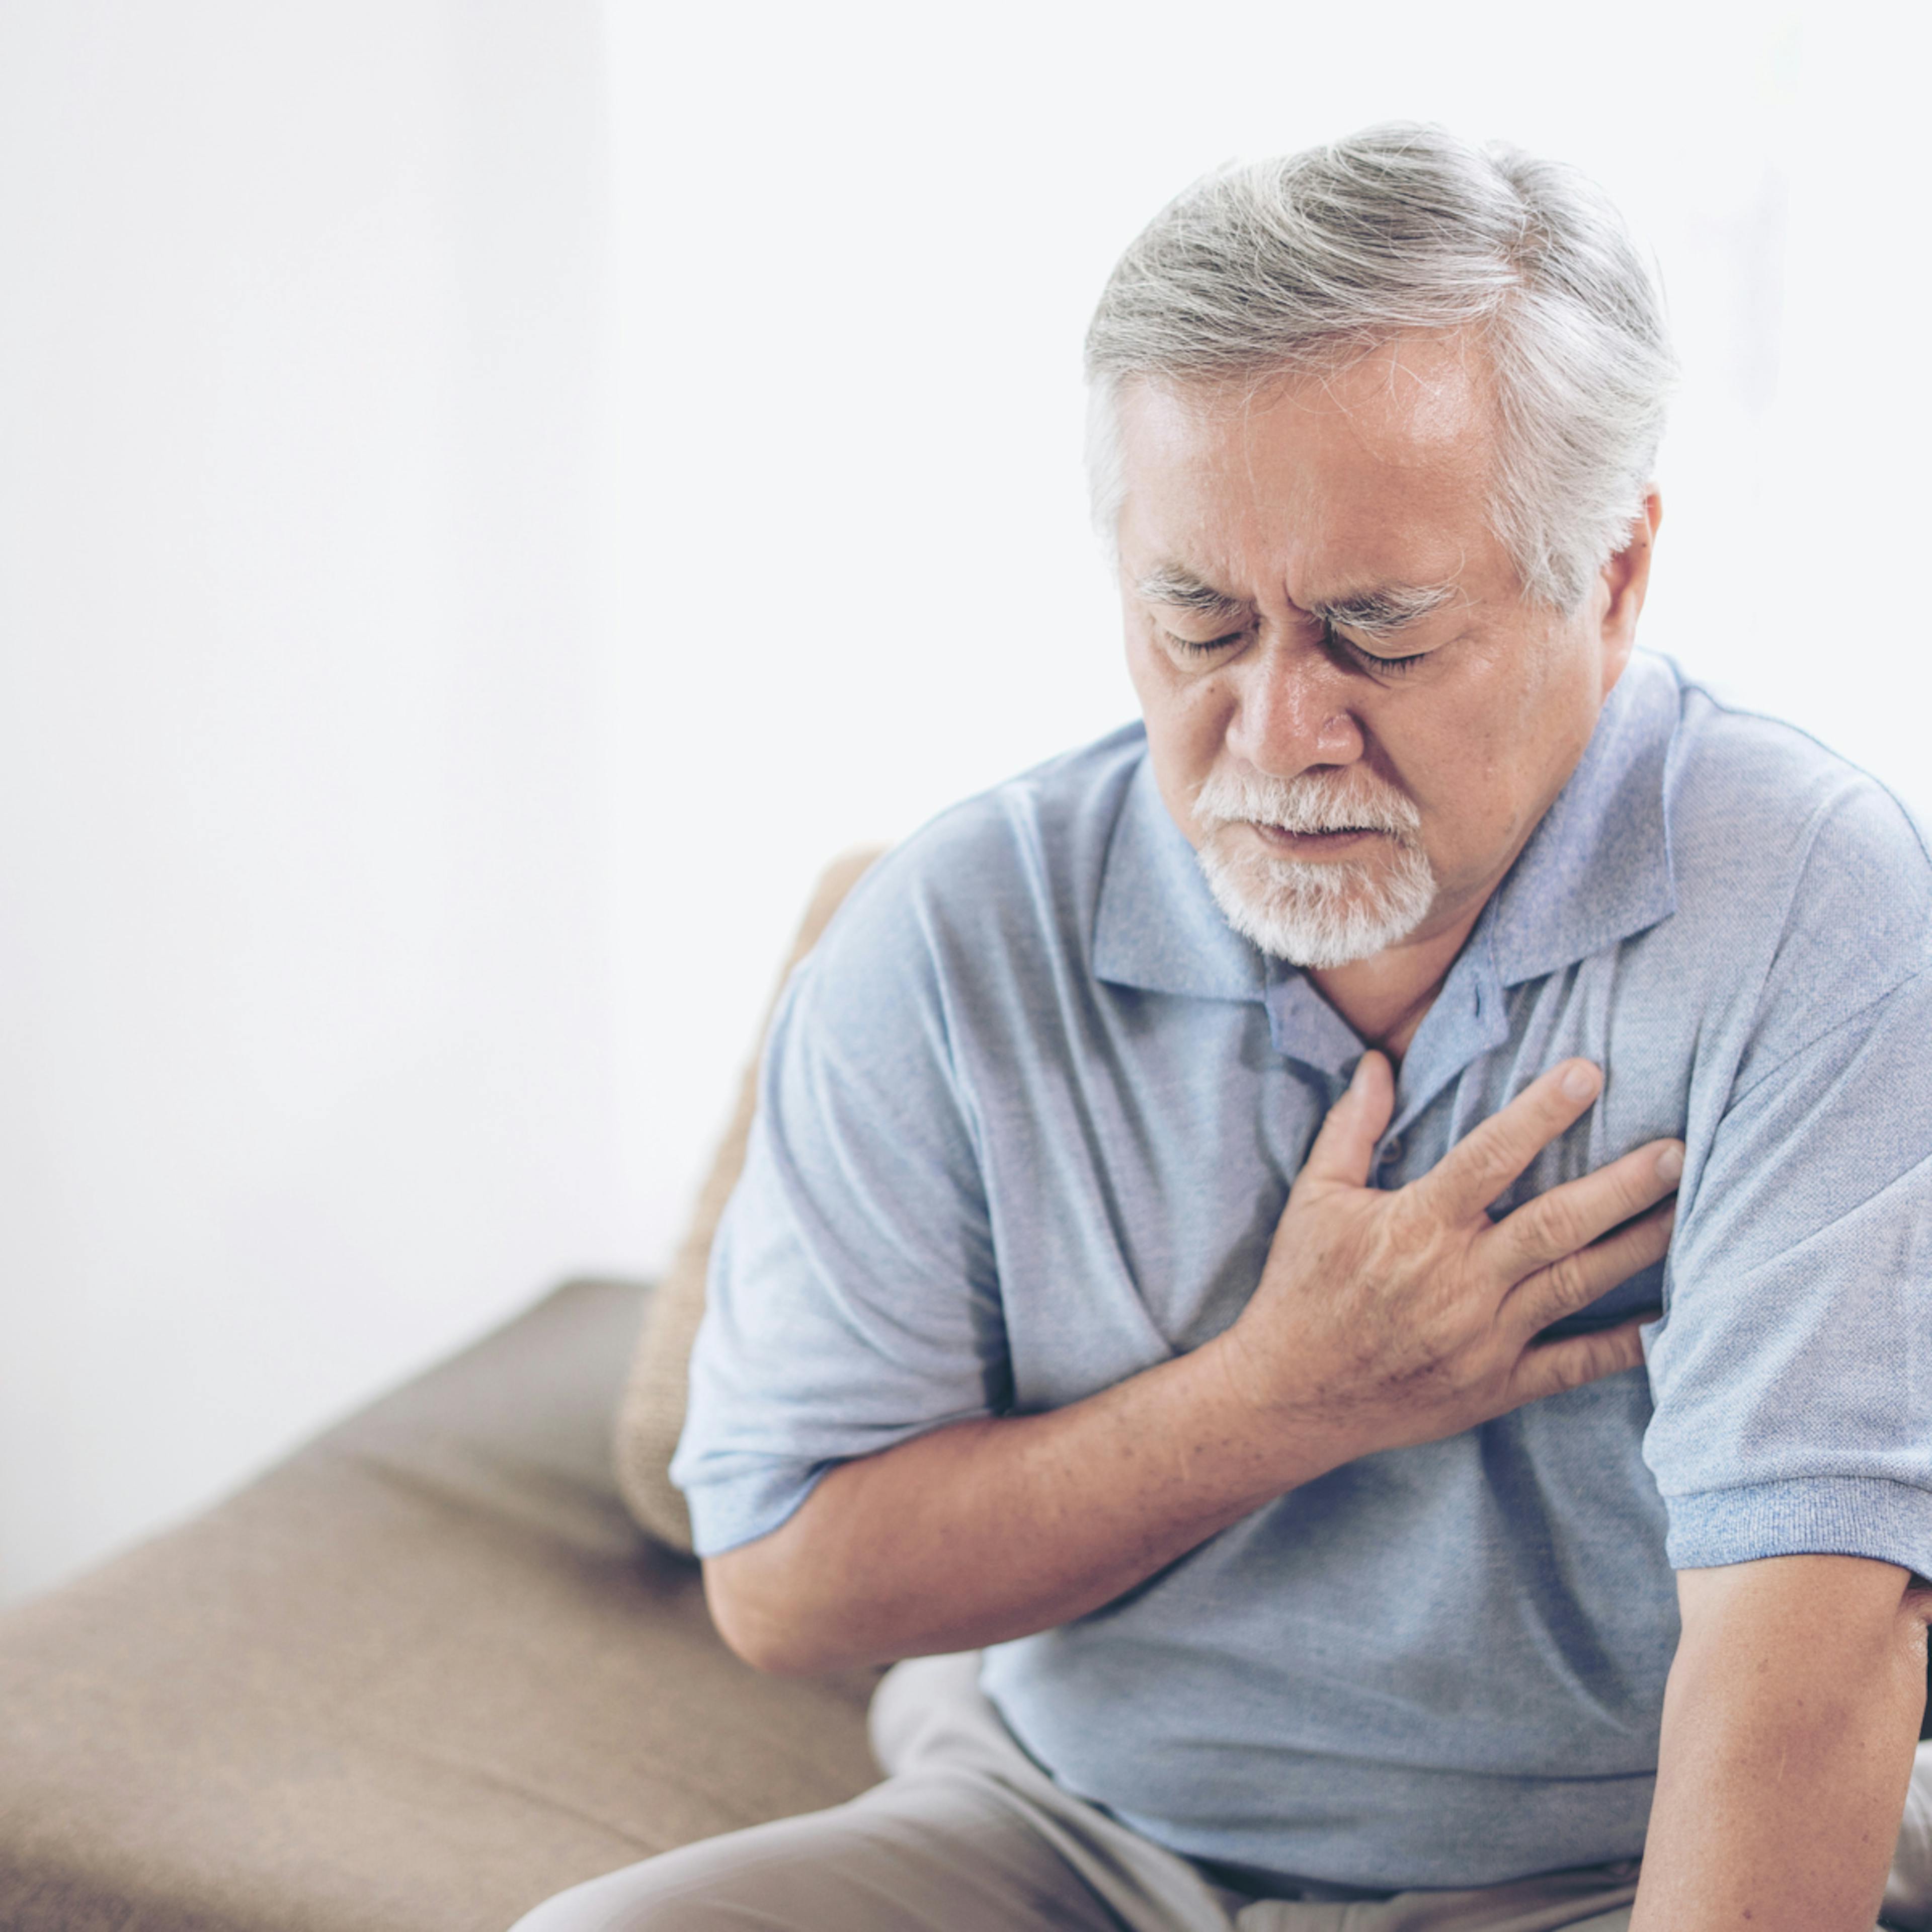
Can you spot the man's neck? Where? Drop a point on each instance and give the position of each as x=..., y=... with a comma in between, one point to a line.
x=1384, y=998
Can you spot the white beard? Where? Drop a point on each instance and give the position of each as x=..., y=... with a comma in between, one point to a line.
x=1312, y=912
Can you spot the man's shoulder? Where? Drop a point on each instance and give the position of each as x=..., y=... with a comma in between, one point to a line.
x=1029, y=851
x=1734, y=769
x=1771, y=805
x=1062, y=811
x=991, y=896
x=1779, y=844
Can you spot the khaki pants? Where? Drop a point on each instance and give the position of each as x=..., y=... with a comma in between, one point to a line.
x=968, y=1834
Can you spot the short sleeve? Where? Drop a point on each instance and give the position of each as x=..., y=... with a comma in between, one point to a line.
x=1790, y=1372
x=852, y=1300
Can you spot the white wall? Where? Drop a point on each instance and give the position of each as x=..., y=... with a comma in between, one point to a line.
x=304, y=1010
x=494, y=492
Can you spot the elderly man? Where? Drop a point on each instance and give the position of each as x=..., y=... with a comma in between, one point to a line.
x=1367, y=1240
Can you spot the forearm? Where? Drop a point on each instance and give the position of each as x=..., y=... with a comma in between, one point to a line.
x=988, y=1530
x=1789, y=1722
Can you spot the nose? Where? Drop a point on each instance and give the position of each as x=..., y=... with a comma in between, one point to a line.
x=1292, y=711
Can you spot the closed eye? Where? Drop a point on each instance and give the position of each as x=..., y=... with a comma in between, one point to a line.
x=1368, y=660
x=1194, y=647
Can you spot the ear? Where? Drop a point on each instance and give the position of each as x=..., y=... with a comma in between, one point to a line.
x=1624, y=581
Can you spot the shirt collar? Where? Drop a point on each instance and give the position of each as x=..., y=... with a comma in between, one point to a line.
x=1597, y=870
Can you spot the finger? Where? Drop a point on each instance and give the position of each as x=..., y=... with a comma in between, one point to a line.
x=1571, y=1216
x=1344, y=1149
x=1549, y=1368
x=1579, y=1279
x=1489, y=1157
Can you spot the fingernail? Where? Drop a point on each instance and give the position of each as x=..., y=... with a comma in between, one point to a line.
x=1580, y=1083
x=1670, y=1164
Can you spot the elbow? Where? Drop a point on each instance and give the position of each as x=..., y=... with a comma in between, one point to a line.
x=766, y=1646
x=759, y=1620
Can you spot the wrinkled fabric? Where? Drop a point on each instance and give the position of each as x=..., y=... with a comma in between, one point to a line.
x=968, y=1834
x=1029, y=1117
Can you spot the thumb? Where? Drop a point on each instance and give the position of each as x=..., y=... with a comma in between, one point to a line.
x=1344, y=1149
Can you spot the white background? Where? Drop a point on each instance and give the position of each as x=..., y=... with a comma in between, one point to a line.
x=493, y=494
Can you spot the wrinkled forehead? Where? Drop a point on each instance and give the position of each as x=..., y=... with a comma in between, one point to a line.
x=1380, y=462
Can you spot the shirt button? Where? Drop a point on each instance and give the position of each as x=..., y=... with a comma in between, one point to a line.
x=1392, y=1152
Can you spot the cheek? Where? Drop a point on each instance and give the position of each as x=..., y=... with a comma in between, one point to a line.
x=1512, y=747
x=1460, y=756
x=1182, y=708
x=1144, y=668
x=1187, y=724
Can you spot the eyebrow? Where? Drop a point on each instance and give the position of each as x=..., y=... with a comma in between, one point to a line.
x=1375, y=612
x=1386, y=608
x=1181, y=590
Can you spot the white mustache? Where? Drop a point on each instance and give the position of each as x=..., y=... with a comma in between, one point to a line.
x=1306, y=804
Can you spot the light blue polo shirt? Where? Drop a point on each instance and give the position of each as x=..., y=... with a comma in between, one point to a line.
x=1029, y=1117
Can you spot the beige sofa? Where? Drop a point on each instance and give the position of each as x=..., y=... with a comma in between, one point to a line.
x=428, y=1671
x=422, y=1675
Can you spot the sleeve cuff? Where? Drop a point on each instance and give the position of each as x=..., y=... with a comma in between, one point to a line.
x=1812, y=1515
x=728, y=1511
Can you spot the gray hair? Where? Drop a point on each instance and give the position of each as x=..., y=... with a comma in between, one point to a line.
x=1296, y=264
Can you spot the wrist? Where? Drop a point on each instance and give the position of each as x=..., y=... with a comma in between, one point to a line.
x=1279, y=1428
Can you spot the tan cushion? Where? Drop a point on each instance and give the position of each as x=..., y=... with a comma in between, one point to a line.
x=422, y=1675
x=651, y=1417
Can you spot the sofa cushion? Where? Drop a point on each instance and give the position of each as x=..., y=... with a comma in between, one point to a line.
x=420, y=1676
x=651, y=1417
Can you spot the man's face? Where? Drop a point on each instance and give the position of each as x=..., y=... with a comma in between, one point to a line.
x=1352, y=712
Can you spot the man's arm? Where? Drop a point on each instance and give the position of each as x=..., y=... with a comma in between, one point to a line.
x=1381, y=1320
x=1790, y=1723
